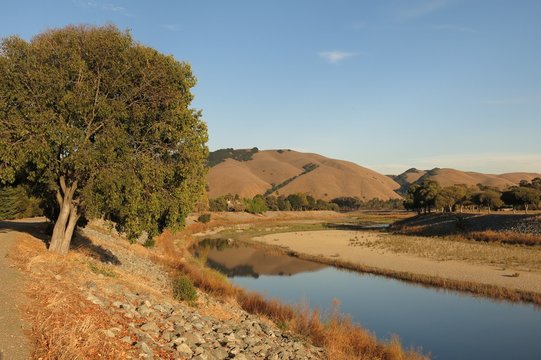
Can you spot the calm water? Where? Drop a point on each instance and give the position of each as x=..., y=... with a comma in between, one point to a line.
x=447, y=324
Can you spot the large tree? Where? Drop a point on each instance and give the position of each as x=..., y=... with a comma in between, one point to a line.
x=522, y=196
x=100, y=126
x=422, y=196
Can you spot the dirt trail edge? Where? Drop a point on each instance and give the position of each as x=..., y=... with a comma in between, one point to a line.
x=14, y=345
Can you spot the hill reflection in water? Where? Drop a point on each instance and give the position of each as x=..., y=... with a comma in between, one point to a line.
x=234, y=260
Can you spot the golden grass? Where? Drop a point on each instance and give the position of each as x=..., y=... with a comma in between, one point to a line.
x=505, y=237
x=63, y=329
x=63, y=324
x=459, y=248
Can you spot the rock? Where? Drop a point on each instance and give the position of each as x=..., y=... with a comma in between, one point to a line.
x=194, y=339
x=109, y=333
x=219, y=353
x=146, y=349
x=240, y=357
x=143, y=336
x=127, y=340
x=184, y=350
x=150, y=327
x=91, y=285
x=95, y=300
x=144, y=310
x=58, y=277
x=167, y=336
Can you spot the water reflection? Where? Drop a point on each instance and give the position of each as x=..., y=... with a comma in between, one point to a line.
x=447, y=324
x=233, y=259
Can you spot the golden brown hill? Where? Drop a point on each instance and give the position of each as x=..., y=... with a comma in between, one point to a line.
x=295, y=172
x=447, y=177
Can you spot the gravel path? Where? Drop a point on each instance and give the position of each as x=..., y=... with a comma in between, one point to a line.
x=14, y=344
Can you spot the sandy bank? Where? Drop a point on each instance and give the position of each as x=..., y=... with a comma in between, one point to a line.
x=357, y=247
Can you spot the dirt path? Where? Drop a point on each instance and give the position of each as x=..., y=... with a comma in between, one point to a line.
x=14, y=345
x=336, y=245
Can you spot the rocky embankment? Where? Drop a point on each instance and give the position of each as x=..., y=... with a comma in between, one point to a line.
x=157, y=327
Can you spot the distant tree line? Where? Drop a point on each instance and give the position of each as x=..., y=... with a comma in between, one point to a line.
x=261, y=203
x=297, y=202
x=348, y=203
x=429, y=195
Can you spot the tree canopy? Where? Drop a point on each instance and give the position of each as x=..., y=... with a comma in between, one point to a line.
x=100, y=126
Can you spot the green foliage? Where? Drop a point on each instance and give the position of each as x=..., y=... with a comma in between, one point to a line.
x=489, y=197
x=309, y=167
x=184, y=290
x=275, y=187
x=422, y=197
x=261, y=203
x=204, y=218
x=16, y=202
x=219, y=156
x=218, y=204
x=257, y=205
x=452, y=196
x=347, y=203
x=522, y=196
x=101, y=270
x=92, y=105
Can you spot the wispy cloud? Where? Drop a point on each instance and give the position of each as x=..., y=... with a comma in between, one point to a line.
x=335, y=56
x=422, y=8
x=451, y=27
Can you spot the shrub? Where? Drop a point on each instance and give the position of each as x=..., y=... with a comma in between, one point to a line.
x=204, y=218
x=184, y=290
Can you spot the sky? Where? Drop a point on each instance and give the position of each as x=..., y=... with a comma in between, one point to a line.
x=388, y=84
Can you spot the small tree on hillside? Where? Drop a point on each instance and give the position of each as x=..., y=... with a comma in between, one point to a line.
x=100, y=125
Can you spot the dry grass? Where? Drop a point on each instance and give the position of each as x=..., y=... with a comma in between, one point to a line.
x=64, y=328
x=505, y=237
x=64, y=324
x=459, y=248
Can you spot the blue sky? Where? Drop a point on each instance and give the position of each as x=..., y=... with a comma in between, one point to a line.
x=389, y=84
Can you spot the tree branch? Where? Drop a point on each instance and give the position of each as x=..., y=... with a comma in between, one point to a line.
x=59, y=198
x=63, y=184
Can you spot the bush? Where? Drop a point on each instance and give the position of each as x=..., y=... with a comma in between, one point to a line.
x=184, y=290
x=204, y=218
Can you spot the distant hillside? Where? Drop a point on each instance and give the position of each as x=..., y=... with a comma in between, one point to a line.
x=447, y=177
x=283, y=172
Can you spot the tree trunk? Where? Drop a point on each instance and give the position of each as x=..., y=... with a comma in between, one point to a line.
x=67, y=219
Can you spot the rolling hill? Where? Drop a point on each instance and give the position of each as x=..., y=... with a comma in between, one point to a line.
x=282, y=172
x=446, y=177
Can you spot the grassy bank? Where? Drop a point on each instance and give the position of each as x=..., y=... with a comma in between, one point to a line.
x=340, y=338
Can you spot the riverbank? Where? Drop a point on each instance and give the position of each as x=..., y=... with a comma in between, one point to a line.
x=494, y=270
x=112, y=300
